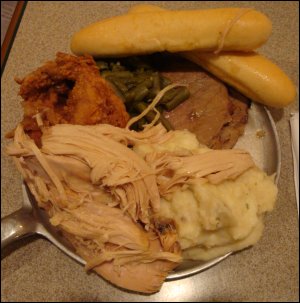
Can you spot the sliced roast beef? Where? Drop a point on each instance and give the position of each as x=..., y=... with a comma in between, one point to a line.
x=216, y=115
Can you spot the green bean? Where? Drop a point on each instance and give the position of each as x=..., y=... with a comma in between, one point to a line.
x=169, y=95
x=142, y=71
x=141, y=106
x=140, y=92
x=123, y=74
x=143, y=77
x=132, y=81
x=181, y=96
x=165, y=82
x=137, y=94
x=148, y=82
x=156, y=81
x=156, y=85
x=121, y=86
x=165, y=123
x=131, y=85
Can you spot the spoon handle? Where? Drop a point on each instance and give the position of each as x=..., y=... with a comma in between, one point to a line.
x=17, y=225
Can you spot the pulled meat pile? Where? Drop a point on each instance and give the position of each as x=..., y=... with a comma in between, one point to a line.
x=69, y=90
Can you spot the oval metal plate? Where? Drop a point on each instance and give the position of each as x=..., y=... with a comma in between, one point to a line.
x=265, y=151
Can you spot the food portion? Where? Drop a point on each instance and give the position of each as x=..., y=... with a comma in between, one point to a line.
x=69, y=90
x=174, y=31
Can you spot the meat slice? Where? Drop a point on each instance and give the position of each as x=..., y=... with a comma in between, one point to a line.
x=230, y=132
x=216, y=116
x=206, y=111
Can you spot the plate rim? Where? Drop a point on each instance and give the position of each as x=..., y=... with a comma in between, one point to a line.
x=174, y=275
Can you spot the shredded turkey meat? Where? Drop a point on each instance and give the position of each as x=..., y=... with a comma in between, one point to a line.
x=105, y=197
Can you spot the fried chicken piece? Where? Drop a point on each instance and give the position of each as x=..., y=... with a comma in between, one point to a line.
x=69, y=90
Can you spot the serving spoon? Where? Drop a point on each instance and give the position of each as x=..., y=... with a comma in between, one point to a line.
x=30, y=220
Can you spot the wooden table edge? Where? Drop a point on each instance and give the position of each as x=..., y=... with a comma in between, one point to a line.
x=11, y=32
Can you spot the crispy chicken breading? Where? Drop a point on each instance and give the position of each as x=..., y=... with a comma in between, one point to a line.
x=69, y=90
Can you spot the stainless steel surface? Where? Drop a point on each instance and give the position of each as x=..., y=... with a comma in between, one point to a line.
x=31, y=219
x=16, y=226
x=265, y=148
x=19, y=224
x=46, y=229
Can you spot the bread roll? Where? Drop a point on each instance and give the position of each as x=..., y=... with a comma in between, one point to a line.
x=173, y=31
x=250, y=73
x=253, y=75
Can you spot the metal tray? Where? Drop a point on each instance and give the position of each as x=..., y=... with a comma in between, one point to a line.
x=265, y=151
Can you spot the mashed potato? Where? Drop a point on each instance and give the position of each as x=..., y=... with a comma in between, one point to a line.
x=213, y=220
